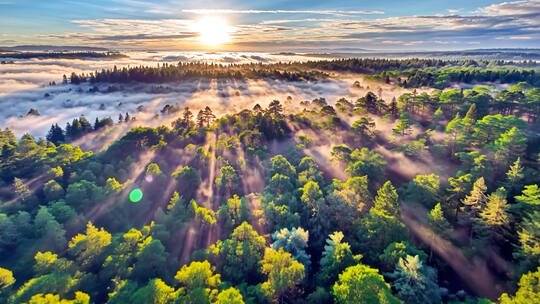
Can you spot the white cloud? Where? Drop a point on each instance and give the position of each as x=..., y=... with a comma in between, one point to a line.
x=314, y=12
x=512, y=8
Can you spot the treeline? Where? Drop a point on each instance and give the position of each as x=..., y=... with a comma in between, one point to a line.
x=445, y=77
x=80, y=127
x=407, y=72
x=62, y=55
x=184, y=71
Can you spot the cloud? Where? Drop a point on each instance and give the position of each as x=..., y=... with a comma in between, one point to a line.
x=512, y=8
x=313, y=12
x=401, y=42
x=144, y=37
x=335, y=29
x=515, y=38
x=454, y=11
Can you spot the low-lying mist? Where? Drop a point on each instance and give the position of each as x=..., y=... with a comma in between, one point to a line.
x=24, y=85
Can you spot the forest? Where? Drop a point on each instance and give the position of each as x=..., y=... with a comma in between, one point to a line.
x=431, y=197
x=411, y=73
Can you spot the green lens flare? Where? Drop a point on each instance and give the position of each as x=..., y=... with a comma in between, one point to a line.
x=135, y=195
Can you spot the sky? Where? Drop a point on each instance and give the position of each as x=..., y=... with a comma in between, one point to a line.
x=277, y=25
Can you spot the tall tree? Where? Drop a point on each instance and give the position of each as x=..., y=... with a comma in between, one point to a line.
x=337, y=256
x=363, y=285
x=415, y=282
x=386, y=201
x=199, y=282
x=295, y=242
x=404, y=125
x=514, y=176
x=275, y=108
x=55, y=135
x=510, y=145
x=495, y=214
x=528, y=292
x=238, y=257
x=283, y=272
x=86, y=248
x=6, y=278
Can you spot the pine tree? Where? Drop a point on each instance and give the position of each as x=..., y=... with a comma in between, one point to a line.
x=514, y=177
x=275, y=108
x=200, y=119
x=21, y=189
x=474, y=203
x=509, y=145
x=386, y=201
x=393, y=108
x=404, y=125
x=495, y=214
x=187, y=118
x=414, y=282
x=55, y=135
x=437, y=221
x=257, y=109
x=208, y=116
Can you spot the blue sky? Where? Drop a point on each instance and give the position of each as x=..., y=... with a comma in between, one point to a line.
x=274, y=25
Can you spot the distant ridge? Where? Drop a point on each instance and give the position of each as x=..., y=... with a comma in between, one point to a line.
x=51, y=48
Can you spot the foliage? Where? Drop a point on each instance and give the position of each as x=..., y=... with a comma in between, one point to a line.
x=362, y=284
x=283, y=273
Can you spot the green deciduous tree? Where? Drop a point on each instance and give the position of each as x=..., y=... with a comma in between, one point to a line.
x=279, y=164
x=528, y=292
x=86, y=248
x=6, y=278
x=199, y=283
x=188, y=181
x=230, y=295
x=49, y=230
x=367, y=162
x=234, y=212
x=238, y=257
x=423, y=189
x=228, y=181
x=80, y=298
x=151, y=260
x=156, y=292
x=363, y=285
x=283, y=273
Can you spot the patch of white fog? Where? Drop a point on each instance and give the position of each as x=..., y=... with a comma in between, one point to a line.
x=24, y=85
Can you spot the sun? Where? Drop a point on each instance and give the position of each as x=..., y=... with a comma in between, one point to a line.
x=213, y=30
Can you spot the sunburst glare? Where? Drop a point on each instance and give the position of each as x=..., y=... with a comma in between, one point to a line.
x=213, y=30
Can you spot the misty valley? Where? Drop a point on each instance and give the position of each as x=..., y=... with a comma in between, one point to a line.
x=215, y=177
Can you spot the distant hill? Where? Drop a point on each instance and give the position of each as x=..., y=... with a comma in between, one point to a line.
x=52, y=48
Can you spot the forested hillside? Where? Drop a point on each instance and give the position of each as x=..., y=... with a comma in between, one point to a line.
x=425, y=198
